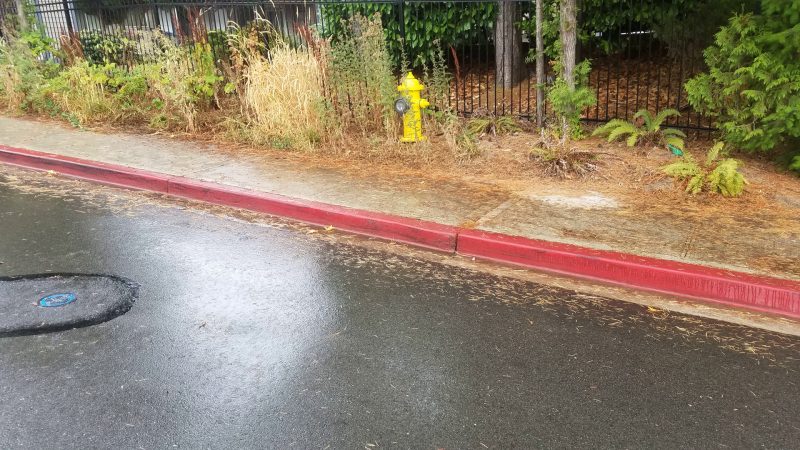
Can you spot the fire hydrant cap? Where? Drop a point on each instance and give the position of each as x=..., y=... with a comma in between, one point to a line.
x=410, y=83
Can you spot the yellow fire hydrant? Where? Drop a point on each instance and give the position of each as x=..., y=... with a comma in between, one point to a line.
x=410, y=106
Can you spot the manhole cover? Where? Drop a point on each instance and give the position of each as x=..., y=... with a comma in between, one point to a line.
x=33, y=304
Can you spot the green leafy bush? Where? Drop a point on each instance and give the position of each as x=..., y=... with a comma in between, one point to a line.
x=81, y=92
x=86, y=93
x=719, y=175
x=103, y=48
x=426, y=26
x=678, y=25
x=795, y=164
x=752, y=87
x=169, y=88
x=649, y=132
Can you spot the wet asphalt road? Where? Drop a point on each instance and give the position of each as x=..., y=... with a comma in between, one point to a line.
x=264, y=335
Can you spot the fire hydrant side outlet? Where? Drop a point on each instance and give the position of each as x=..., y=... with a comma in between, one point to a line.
x=412, y=89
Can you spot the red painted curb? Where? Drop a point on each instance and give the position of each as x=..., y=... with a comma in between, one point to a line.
x=89, y=170
x=738, y=289
x=765, y=294
x=410, y=231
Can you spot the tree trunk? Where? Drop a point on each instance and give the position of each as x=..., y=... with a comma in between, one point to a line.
x=539, y=67
x=507, y=45
x=569, y=38
x=23, y=20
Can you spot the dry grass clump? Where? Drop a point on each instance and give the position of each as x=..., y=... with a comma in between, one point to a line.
x=284, y=97
x=560, y=159
x=280, y=89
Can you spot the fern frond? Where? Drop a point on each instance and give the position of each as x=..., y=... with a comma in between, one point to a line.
x=695, y=184
x=726, y=179
x=675, y=141
x=673, y=132
x=646, y=116
x=683, y=169
x=713, y=153
x=662, y=116
x=608, y=127
x=631, y=141
x=479, y=126
x=623, y=129
x=506, y=125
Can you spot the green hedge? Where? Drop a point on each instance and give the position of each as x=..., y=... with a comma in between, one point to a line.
x=449, y=23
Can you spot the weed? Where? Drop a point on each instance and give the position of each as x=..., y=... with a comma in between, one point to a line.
x=22, y=70
x=558, y=159
x=498, y=125
x=436, y=78
x=80, y=92
x=185, y=80
x=362, y=85
x=648, y=132
x=716, y=175
x=461, y=141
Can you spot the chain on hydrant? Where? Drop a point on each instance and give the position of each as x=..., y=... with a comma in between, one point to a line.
x=410, y=106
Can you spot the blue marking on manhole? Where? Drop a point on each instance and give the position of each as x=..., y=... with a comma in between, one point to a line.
x=56, y=300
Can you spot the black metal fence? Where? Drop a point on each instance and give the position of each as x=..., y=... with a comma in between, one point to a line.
x=641, y=51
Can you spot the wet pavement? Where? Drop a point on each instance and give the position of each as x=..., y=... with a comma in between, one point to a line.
x=262, y=334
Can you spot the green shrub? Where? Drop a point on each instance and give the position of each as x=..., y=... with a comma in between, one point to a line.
x=169, y=89
x=716, y=175
x=752, y=87
x=568, y=103
x=102, y=48
x=650, y=132
x=86, y=93
x=426, y=26
x=80, y=91
x=795, y=164
x=24, y=70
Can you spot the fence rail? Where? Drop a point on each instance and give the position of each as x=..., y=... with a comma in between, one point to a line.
x=637, y=63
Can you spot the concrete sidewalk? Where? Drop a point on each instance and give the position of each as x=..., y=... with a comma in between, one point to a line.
x=591, y=220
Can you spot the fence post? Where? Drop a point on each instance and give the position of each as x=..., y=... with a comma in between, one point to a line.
x=67, y=15
x=539, y=67
x=402, y=20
